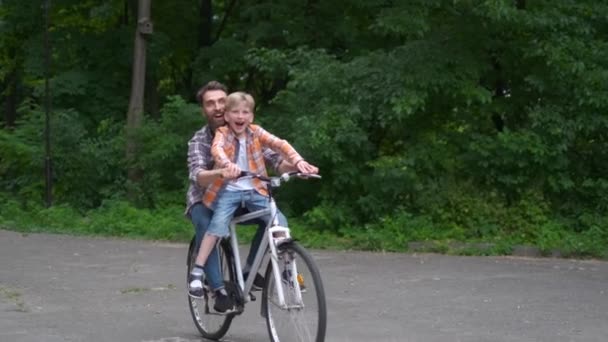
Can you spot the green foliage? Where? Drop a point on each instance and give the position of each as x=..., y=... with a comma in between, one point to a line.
x=220, y=61
x=112, y=218
x=488, y=114
x=122, y=219
x=80, y=178
x=435, y=120
x=89, y=167
x=163, y=153
x=21, y=157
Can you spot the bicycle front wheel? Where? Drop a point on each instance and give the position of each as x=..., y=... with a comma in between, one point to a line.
x=211, y=325
x=300, y=313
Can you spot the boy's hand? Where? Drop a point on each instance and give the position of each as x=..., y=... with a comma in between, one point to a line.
x=231, y=171
x=304, y=167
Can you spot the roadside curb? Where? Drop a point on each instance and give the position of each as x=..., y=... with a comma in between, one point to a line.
x=485, y=248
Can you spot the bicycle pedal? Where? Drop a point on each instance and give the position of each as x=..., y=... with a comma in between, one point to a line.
x=227, y=313
x=252, y=296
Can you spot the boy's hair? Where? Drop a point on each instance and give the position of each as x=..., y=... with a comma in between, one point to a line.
x=238, y=97
x=212, y=85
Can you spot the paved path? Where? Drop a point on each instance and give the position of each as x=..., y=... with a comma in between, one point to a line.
x=62, y=288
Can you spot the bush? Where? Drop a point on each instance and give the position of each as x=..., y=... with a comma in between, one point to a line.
x=113, y=218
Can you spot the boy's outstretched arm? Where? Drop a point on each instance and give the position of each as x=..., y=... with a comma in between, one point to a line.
x=294, y=161
x=302, y=166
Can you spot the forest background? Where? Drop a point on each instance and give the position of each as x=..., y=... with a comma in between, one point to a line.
x=445, y=121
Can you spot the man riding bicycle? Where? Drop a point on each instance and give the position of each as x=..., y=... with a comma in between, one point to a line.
x=212, y=98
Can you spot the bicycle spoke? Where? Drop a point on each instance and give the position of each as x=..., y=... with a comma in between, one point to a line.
x=302, y=317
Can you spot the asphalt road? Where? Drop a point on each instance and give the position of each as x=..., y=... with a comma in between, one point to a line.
x=63, y=288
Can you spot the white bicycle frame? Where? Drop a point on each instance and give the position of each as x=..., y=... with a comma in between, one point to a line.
x=270, y=240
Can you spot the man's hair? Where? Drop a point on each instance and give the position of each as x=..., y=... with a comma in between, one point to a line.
x=238, y=97
x=212, y=85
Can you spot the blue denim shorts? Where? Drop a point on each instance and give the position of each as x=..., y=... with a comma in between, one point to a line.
x=227, y=203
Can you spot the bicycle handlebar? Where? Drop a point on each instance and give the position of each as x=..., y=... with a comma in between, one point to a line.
x=276, y=181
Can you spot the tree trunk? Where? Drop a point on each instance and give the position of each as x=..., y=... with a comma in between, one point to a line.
x=138, y=82
x=227, y=12
x=206, y=24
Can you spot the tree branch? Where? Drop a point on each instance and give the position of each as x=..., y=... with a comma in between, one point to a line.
x=224, y=20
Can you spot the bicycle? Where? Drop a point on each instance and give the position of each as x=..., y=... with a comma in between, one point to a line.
x=291, y=279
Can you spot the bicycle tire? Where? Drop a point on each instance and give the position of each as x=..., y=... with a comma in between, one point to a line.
x=210, y=325
x=301, y=313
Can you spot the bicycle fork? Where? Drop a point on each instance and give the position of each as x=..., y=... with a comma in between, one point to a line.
x=288, y=277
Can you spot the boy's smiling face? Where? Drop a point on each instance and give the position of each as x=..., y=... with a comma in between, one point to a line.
x=239, y=117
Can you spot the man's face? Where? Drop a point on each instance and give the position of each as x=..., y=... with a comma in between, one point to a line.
x=239, y=117
x=213, y=107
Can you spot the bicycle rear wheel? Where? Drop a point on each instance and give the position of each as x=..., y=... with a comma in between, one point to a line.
x=303, y=318
x=210, y=324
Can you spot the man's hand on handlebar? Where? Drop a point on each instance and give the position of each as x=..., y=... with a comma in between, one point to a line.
x=231, y=171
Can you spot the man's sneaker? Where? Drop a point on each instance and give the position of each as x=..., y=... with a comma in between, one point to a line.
x=258, y=282
x=223, y=302
x=195, y=286
x=287, y=280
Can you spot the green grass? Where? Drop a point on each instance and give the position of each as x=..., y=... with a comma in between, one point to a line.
x=113, y=218
x=13, y=296
x=394, y=234
x=134, y=290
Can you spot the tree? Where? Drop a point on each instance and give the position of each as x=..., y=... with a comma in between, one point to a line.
x=461, y=110
x=19, y=22
x=138, y=82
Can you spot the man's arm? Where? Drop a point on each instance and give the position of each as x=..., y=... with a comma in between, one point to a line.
x=199, y=154
x=198, y=160
x=273, y=159
x=206, y=177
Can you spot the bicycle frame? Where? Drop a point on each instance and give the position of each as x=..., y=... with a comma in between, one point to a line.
x=272, y=228
x=282, y=299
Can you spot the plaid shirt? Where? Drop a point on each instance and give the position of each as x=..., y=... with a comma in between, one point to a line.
x=200, y=159
x=225, y=149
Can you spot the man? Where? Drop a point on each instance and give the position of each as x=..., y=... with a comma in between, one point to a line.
x=212, y=98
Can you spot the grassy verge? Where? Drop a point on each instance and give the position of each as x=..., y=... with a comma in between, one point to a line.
x=119, y=219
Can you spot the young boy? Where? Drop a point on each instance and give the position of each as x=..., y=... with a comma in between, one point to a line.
x=238, y=146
